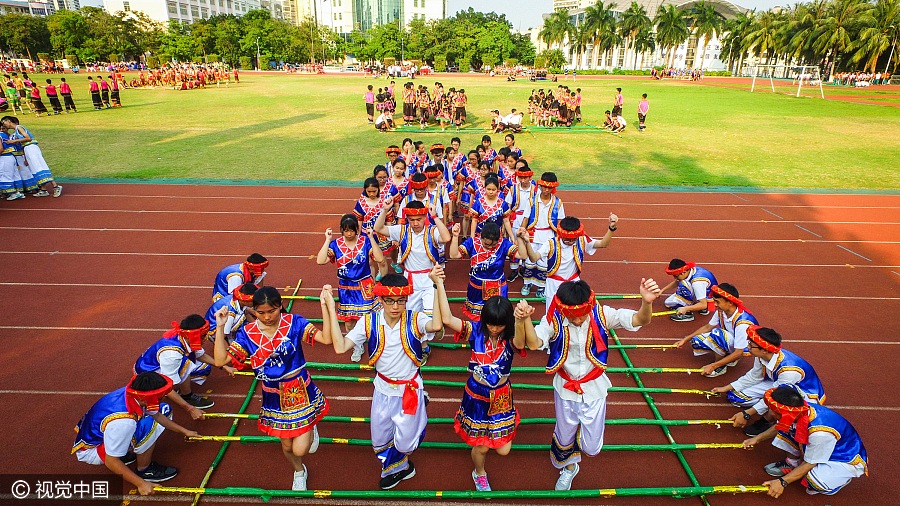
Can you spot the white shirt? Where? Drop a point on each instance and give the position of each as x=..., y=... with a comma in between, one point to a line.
x=524, y=200
x=393, y=362
x=739, y=333
x=621, y=120
x=117, y=436
x=170, y=365
x=381, y=119
x=762, y=371
x=513, y=119
x=543, y=213
x=567, y=266
x=577, y=364
x=698, y=287
x=418, y=258
x=821, y=446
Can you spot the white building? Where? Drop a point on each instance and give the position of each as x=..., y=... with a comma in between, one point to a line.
x=34, y=8
x=686, y=54
x=182, y=10
x=344, y=16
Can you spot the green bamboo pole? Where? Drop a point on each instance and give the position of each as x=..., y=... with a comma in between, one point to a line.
x=321, y=366
x=523, y=421
x=266, y=495
x=464, y=446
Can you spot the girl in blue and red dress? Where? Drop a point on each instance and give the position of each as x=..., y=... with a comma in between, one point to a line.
x=488, y=254
x=489, y=206
x=292, y=404
x=366, y=211
x=487, y=417
x=356, y=288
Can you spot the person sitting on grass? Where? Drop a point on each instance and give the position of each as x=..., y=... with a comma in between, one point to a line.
x=726, y=333
x=693, y=290
x=773, y=366
x=620, y=124
x=825, y=451
x=385, y=122
x=124, y=426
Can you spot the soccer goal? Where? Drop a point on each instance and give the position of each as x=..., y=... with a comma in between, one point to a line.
x=800, y=75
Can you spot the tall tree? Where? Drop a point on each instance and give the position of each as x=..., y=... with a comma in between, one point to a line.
x=880, y=26
x=556, y=27
x=671, y=29
x=602, y=25
x=706, y=24
x=634, y=22
x=836, y=33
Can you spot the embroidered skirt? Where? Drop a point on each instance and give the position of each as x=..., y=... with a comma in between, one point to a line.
x=356, y=299
x=487, y=416
x=479, y=291
x=291, y=408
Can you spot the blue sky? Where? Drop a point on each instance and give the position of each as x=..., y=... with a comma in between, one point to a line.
x=527, y=13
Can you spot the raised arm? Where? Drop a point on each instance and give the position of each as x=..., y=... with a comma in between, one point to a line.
x=526, y=252
x=649, y=293
x=221, y=346
x=322, y=257
x=440, y=295
x=454, y=242
x=338, y=340
x=377, y=254
x=442, y=228
x=380, y=223
x=325, y=336
x=525, y=335
x=607, y=237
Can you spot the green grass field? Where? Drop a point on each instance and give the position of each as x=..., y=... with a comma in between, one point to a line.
x=314, y=128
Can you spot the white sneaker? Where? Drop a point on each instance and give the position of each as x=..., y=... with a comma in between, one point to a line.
x=42, y=193
x=315, y=442
x=565, y=478
x=734, y=363
x=300, y=479
x=16, y=196
x=57, y=190
x=357, y=353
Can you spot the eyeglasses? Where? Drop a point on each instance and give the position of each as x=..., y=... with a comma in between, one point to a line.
x=393, y=302
x=752, y=345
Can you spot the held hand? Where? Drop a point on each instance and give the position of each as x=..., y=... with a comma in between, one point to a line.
x=368, y=230
x=327, y=296
x=328, y=234
x=738, y=419
x=523, y=233
x=197, y=414
x=649, y=290
x=222, y=316
x=523, y=310
x=707, y=369
x=613, y=220
x=437, y=274
x=775, y=488
x=191, y=433
x=230, y=370
x=681, y=342
x=146, y=488
x=456, y=229
x=388, y=202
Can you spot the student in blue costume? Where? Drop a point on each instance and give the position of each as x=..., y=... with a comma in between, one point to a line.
x=253, y=270
x=351, y=253
x=292, y=404
x=237, y=303
x=488, y=255
x=488, y=206
x=487, y=417
x=825, y=450
x=692, y=285
x=130, y=418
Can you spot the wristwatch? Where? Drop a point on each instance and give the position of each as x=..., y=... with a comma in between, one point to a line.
x=783, y=483
x=746, y=415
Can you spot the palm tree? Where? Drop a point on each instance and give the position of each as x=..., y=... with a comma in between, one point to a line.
x=555, y=28
x=835, y=35
x=671, y=29
x=643, y=42
x=762, y=35
x=879, y=28
x=706, y=23
x=805, y=24
x=734, y=43
x=579, y=39
x=601, y=24
x=634, y=21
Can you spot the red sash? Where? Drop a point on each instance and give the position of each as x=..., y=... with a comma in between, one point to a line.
x=410, y=393
x=575, y=385
x=570, y=278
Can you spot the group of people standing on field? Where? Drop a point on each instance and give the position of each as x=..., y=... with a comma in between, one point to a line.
x=23, y=93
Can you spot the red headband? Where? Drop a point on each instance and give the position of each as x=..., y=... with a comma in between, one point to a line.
x=392, y=150
x=573, y=311
x=548, y=184
x=731, y=298
x=393, y=291
x=433, y=174
x=681, y=270
x=151, y=398
x=421, y=211
x=257, y=269
x=193, y=338
x=570, y=234
x=787, y=415
x=240, y=296
x=418, y=185
x=437, y=147
x=524, y=173
x=754, y=336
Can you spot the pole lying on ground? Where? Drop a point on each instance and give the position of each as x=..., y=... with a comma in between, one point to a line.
x=523, y=421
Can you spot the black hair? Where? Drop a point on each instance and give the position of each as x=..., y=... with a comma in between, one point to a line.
x=524, y=163
x=415, y=204
x=769, y=335
x=256, y=258
x=788, y=396
x=394, y=279
x=148, y=381
x=455, y=139
x=370, y=87
x=267, y=295
x=676, y=263
x=49, y=81
x=549, y=177
x=192, y=321
x=492, y=179
x=371, y=181
x=473, y=152
x=484, y=164
x=407, y=140
x=248, y=288
x=572, y=293
x=418, y=177
x=608, y=111
x=511, y=136
x=498, y=311
x=570, y=223
x=417, y=144
x=729, y=289
x=485, y=138
x=490, y=231
x=643, y=95
x=618, y=89
x=63, y=79
x=349, y=222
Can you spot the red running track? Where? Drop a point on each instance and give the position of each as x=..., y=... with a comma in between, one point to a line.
x=94, y=277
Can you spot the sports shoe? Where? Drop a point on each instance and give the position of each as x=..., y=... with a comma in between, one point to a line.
x=565, y=478
x=315, y=440
x=198, y=401
x=155, y=473
x=357, y=353
x=42, y=193
x=390, y=481
x=397, y=268
x=57, y=190
x=757, y=427
x=481, y=482
x=704, y=312
x=129, y=458
x=686, y=317
x=425, y=356
x=734, y=363
x=513, y=275
x=300, y=479
x=779, y=469
x=526, y=289
x=16, y=196
x=540, y=293
x=718, y=372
